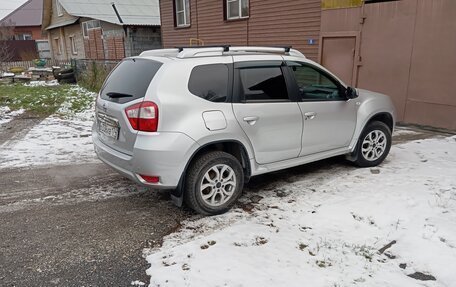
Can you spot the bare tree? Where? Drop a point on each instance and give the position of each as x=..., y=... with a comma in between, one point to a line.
x=6, y=34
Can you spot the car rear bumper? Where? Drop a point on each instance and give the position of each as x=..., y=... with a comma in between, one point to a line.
x=155, y=154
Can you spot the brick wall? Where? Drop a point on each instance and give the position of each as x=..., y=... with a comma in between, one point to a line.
x=110, y=42
x=93, y=45
x=75, y=32
x=114, y=47
x=35, y=31
x=53, y=35
x=141, y=39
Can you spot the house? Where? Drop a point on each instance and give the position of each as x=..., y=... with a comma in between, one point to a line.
x=101, y=30
x=405, y=49
x=21, y=33
x=242, y=22
x=26, y=20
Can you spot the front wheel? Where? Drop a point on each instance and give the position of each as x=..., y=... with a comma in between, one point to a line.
x=214, y=182
x=373, y=145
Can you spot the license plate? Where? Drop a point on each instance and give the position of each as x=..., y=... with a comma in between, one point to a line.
x=107, y=128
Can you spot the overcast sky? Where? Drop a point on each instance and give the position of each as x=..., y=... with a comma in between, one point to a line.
x=7, y=6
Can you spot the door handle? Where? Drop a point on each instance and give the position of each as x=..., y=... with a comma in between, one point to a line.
x=251, y=120
x=310, y=115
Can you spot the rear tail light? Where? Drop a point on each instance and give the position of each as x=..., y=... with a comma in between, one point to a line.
x=150, y=179
x=143, y=116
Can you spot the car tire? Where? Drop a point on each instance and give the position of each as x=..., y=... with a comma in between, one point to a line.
x=65, y=76
x=373, y=145
x=214, y=182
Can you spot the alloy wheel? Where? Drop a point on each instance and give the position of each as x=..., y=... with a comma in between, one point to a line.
x=374, y=145
x=218, y=185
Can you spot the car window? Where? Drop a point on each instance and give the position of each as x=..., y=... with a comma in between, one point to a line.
x=130, y=78
x=314, y=85
x=209, y=82
x=263, y=84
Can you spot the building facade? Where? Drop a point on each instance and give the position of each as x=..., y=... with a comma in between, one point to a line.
x=405, y=49
x=242, y=22
x=102, y=30
x=26, y=21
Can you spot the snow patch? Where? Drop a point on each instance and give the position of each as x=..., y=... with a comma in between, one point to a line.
x=326, y=227
x=42, y=83
x=7, y=115
x=60, y=138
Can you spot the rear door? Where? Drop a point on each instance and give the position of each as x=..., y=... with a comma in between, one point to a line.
x=126, y=85
x=270, y=118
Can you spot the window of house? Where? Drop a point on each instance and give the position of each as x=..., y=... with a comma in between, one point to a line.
x=59, y=8
x=263, y=84
x=57, y=46
x=182, y=12
x=74, y=49
x=237, y=9
x=25, y=36
x=89, y=25
x=209, y=82
x=315, y=85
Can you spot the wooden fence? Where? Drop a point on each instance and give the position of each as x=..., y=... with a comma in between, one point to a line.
x=28, y=64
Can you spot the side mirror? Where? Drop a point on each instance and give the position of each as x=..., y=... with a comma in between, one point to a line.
x=350, y=93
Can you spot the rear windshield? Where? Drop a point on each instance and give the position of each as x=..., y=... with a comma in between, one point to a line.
x=129, y=80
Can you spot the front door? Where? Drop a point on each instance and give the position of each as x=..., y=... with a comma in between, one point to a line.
x=270, y=119
x=329, y=118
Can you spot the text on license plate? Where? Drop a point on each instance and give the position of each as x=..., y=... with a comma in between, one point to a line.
x=108, y=130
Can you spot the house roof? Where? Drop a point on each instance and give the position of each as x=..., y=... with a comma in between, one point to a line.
x=62, y=23
x=28, y=14
x=132, y=12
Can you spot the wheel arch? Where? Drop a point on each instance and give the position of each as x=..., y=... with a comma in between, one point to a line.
x=384, y=117
x=233, y=147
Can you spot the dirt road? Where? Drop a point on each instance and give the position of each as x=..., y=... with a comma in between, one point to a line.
x=78, y=225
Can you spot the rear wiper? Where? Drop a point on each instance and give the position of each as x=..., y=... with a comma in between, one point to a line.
x=115, y=95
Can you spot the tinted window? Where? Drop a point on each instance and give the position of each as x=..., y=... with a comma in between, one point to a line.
x=209, y=82
x=263, y=84
x=131, y=77
x=314, y=85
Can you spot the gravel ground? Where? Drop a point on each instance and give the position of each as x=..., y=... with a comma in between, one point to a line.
x=78, y=225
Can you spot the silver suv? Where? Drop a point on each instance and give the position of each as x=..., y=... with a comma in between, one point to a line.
x=202, y=121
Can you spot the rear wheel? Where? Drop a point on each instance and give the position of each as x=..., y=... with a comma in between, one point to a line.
x=373, y=145
x=214, y=182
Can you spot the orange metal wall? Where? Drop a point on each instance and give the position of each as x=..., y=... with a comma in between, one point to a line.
x=287, y=22
x=408, y=51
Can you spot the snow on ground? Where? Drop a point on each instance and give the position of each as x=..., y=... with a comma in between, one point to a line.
x=60, y=138
x=325, y=227
x=42, y=83
x=6, y=114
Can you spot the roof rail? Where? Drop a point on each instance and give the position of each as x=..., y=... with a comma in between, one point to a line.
x=161, y=52
x=278, y=50
x=199, y=51
x=225, y=47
